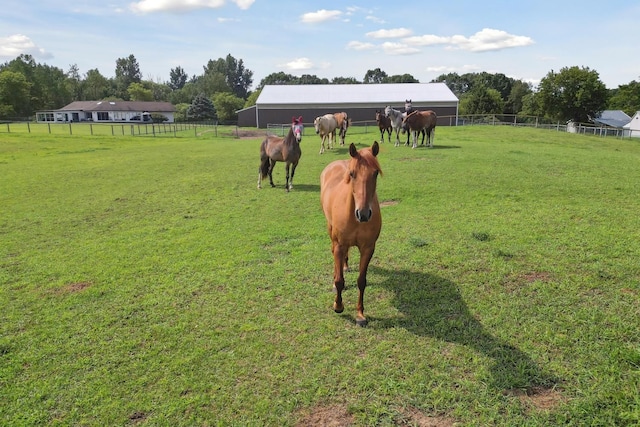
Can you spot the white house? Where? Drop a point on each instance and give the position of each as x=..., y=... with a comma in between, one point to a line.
x=108, y=112
x=633, y=127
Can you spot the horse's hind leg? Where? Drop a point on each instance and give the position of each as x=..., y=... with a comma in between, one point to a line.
x=271, y=166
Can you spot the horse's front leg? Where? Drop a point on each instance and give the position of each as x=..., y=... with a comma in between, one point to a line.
x=290, y=180
x=322, y=145
x=415, y=139
x=365, y=257
x=338, y=275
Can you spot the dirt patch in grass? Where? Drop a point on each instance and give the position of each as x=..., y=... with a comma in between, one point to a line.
x=538, y=398
x=513, y=282
x=415, y=417
x=326, y=416
x=72, y=288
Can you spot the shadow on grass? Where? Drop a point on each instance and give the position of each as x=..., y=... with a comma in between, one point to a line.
x=433, y=307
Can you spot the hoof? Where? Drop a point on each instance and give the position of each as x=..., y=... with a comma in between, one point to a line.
x=361, y=322
x=338, y=308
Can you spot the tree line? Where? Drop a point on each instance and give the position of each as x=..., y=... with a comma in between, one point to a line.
x=224, y=86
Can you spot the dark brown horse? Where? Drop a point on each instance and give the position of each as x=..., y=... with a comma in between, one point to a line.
x=421, y=121
x=350, y=205
x=384, y=124
x=275, y=149
x=343, y=121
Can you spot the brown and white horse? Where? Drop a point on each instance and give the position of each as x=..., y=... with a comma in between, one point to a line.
x=350, y=204
x=275, y=149
x=421, y=121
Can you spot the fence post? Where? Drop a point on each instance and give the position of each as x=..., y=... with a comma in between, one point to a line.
x=49, y=126
x=29, y=127
x=70, y=131
x=8, y=129
x=91, y=128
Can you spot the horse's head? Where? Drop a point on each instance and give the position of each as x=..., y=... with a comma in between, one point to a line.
x=297, y=129
x=363, y=174
x=387, y=110
x=316, y=123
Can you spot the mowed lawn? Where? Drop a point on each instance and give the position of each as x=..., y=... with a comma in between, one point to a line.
x=147, y=281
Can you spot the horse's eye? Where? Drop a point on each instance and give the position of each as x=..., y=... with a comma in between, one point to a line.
x=375, y=174
x=352, y=174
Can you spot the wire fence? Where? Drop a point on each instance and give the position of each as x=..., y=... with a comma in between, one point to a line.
x=233, y=131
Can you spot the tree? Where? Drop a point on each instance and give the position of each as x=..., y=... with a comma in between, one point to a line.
x=96, y=86
x=626, y=98
x=137, y=92
x=459, y=85
x=482, y=100
x=279, y=78
x=14, y=95
x=201, y=109
x=237, y=78
x=514, y=101
x=127, y=72
x=177, y=78
x=401, y=78
x=74, y=82
x=572, y=94
x=251, y=99
x=226, y=105
x=344, y=81
x=375, y=76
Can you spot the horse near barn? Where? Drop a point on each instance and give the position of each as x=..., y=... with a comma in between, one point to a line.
x=275, y=149
x=421, y=121
x=343, y=122
x=384, y=124
x=351, y=208
x=326, y=126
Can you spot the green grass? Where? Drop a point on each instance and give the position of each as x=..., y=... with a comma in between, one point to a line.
x=147, y=281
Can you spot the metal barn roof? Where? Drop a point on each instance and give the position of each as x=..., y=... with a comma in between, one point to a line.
x=346, y=94
x=614, y=118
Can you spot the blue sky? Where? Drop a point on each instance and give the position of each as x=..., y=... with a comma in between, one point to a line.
x=524, y=40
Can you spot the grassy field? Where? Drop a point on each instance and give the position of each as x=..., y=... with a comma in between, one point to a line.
x=148, y=282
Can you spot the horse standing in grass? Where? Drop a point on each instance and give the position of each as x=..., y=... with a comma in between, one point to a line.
x=326, y=126
x=343, y=122
x=421, y=121
x=351, y=207
x=275, y=149
x=396, y=121
x=384, y=124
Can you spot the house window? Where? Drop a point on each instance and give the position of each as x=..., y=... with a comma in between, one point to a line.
x=103, y=115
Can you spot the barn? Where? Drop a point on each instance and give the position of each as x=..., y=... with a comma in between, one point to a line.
x=277, y=104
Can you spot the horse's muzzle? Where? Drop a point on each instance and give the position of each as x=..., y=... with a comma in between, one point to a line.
x=363, y=215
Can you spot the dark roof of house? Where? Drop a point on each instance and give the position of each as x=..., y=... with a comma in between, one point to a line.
x=614, y=118
x=134, y=106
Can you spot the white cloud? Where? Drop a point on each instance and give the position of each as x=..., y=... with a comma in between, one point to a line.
x=469, y=68
x=18, y=44
x=375, y=19
x=298, y=64
x=320, y=16
x=150, y=6
x=489, y=39
x=356, y=45
x=399, y=49
x=426, y=40
x=388, y=34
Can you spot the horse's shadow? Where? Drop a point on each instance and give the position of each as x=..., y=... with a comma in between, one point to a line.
x=433, y=307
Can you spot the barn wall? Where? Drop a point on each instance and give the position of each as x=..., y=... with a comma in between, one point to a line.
x=357, y=114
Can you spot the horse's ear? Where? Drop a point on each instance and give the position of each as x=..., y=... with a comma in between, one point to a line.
x=375, y=148
x=300, y=120
x=353, y=151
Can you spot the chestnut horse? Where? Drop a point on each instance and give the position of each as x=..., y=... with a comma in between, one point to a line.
x=351, y=207
x=384, y=124
x=275, y=149
x=421, y=121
